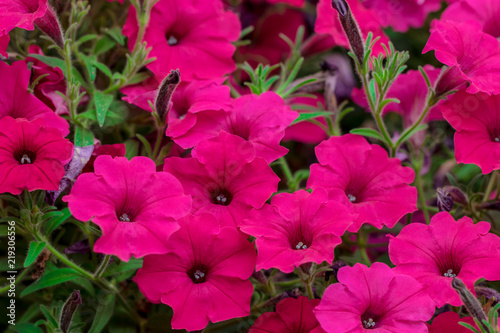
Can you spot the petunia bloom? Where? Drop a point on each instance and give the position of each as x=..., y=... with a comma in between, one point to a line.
x=374, y=298
x=47, y=87
x=433, y=255
x=192, y=36
x=473, y=56
x=297, y=228
x=203, y=276
x=485, y=12
x=292, y=315
x=25, y=14
x=17, y=102
x=369, y=20
x=224, y=178
x=197, y=112
x=135, y=206
x=363, y=177
x=32, y=155
x=401, y=15
x=477, y=137
x=449, y=322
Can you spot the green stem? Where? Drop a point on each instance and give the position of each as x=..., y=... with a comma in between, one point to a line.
x=286, y=171
x=420, y=189
x=68, y=262
x=310, y=293
x=159, y=137
x=490, y=187
x=100, y=270
x=18, y=279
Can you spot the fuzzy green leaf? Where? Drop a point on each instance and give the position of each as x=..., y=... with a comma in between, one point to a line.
x=33, y=252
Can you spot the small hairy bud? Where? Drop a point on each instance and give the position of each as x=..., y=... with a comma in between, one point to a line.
x=447, y=196
x=351, y=29
x=165, y=92
x=69, y=309
x=470, y=301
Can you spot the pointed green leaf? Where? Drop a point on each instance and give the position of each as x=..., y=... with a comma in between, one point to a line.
x=56, y=221
x=52, y=278
x=103, y=314
x=83, y=137
x=102, y=102
x=310, y=115
x=49, y=316
x=33, y=252
x=368, y=132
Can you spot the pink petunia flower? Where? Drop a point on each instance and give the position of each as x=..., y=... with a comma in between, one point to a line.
x=32, y=156
x=224, y=178
x=296, y=229
x=363, y=177
x=449, y=322
x=435, y=253
x=485, y=12
x=473, y=56
x=135, y=206
x=292, y=315
x=401, y=15
x=47, y=87
x=192, y=36
x=477, y=137
x=369, y=20
x=198, y=108
x=25, y=14
x=203, y=276
x=17, y=102
x=411, y=90
x=374, y=298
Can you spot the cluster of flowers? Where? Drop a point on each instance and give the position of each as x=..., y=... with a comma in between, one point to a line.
x=201, y=221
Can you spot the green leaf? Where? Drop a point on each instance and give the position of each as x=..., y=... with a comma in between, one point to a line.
x=131, y=148
x=102, y=102
x=104, y=69
x=470, y=327
x=103, y=314
x=90, y=66
x=58, y=62
x=83, y=137
x=86, y=38
x=116, y=34
x=131, y=265
x=33, y=252
x=56, y=221
x=103, y=45
x=27, y=328
x=368, y=132
x=138, y=78
x=49, y=316
x=146, y=144
x=50, y=279
x=117, y=113
x=311, y=115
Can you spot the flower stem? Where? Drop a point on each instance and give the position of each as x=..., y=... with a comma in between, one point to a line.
x=100, y=270
x=491, y=185
x=68, y=262
x=287, y=172
x=420, y=189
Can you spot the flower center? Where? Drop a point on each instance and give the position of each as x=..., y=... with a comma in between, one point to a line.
x=24, y=156
x=198, y=273
x=497, y=139
x=301, y=246
x=351, y=197
x=126, y=215
x=124, y=218
x=449, y=273
x=368, y=323
x=172, y=40
x=222, y=197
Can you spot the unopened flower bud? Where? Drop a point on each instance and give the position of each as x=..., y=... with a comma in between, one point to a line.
x=470, y=301
x=50, y=25
x=448, y=195
x=165, y=92
x=351, y=29
x=69, y=309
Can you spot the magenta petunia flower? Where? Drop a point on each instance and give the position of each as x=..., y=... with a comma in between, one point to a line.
x=25, y=14
x=363, y=177
x=135, y=206
x=192, y=36
x=224, y=178
x=376, y=299
x=449, y=322
x=435, y=253
x=477, y=137
x=292, y=315
x=473, y=56
x=328, y=22
x=485, y=12
x=17, y=102
x=296, y=229
x=47, y=87
x=32, y=156
x=204, y=276
x=401, y=15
